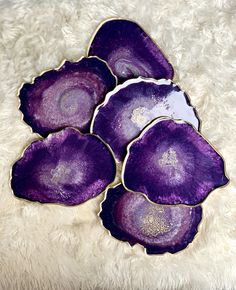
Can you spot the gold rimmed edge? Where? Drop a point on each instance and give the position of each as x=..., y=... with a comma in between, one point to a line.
x=21, y=155
x=139, y=80
x=57, y=68
x=196, y=236
x=143, y=132
x=173, y=80
x=131, y=20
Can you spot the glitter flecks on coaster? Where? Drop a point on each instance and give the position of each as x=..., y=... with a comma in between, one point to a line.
x=130, y=217
x=129, y=51
x=172, y=163
x=133, y=105
x=168, y=168
x=67, y=96
x=64, y=168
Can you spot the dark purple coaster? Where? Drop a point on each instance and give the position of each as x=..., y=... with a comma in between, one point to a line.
x=129, y=51
x=67, y=96
x=172, y=163
x=133, y=105
x=132, y=218
x=67, y=168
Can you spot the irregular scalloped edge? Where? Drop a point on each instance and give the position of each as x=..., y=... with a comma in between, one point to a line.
x=131, y=20
x=150, y=125
x=55, y=69
x=198, y=229
x=41, y=139
x=138, y=80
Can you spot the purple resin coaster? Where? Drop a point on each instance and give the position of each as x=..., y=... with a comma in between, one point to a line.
x=131, y=106
x=172, y=163
x=129, y=51
x=131, y=217
x=67, y=168
x=66, y=96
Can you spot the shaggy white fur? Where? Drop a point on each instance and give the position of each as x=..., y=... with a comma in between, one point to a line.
x=56, y=247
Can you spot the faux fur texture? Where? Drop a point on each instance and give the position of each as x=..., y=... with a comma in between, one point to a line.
x=56, y=247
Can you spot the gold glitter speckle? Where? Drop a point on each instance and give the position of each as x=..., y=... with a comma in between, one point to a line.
x=154, y=224
x=138, y=116
x=169, y=158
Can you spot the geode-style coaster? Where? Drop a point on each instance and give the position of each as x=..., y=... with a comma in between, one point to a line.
x=66, y=168
x=132, y=218
x=66, y=96
x=172, y=163
x=129, y=51
x=131, y=106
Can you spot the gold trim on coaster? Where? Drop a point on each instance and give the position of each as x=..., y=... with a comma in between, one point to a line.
x=139, y=80
x=45, y=139
x=150, y=125
x=56, y=69
x=127, y=19
x=196, y=236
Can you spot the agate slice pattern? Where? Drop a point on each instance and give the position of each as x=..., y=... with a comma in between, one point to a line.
x=131, y=217
x=172, y=163
x=67, y=96
x=67, y=168
x=129, y=51
x=133, y=105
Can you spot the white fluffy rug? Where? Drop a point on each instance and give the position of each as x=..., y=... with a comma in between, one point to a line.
x=56, y=247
